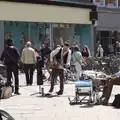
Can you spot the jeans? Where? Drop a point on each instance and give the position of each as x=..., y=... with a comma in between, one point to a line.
x=39, y=76
x=59, y=72
x=109, y=86
x=29, y=70
x=79, y=70
x=14, y=70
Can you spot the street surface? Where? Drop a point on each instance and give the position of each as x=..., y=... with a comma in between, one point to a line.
x=26, y=107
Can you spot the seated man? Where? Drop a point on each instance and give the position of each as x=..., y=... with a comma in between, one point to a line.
x=109, y=86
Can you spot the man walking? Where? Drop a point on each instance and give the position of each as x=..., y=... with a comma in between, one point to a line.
x=11, y=58
x=29, y=60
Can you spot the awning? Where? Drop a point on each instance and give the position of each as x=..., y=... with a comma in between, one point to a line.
x=11, y=11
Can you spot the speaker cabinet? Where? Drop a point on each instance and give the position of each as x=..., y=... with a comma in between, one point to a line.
x=93, y=15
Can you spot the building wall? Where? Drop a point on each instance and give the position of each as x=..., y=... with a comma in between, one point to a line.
x=43, y=13
x=108, y=20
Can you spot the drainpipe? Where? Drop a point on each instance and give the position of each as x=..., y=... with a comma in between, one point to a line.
x=94, y=18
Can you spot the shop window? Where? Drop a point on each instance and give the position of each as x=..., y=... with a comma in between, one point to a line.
x=99, y=3
x=118, y=36
x=21, y=32
x=111, y=3
x=118, y=2
x=104, y=33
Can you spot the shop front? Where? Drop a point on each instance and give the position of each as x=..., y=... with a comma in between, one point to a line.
x=45, y=22
x=108, y=28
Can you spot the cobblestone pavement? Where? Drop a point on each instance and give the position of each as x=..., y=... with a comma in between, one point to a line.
x=26, y=107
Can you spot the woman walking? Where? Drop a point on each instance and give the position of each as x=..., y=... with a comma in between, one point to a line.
x=85, y=51
x=78, y=60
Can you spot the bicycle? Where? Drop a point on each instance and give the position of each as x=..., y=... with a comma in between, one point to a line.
x=5, y=116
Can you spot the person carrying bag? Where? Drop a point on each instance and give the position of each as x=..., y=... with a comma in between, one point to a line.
x=11, y=58
x=77, y=60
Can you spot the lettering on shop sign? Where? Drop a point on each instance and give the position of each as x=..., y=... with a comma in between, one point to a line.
x=61, y=25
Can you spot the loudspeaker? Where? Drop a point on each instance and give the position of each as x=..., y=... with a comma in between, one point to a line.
x=93, y=15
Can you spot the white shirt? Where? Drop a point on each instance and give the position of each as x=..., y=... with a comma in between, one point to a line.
x=56, y=51
x=28, y=56
x=100, y=51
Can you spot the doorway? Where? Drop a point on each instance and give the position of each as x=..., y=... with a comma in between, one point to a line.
x=61, y=35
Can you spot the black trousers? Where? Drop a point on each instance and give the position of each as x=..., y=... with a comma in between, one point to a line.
x=14, y=70
x=39, y=76
x=29, y=70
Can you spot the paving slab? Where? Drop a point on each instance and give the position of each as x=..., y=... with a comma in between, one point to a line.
x=27, y=107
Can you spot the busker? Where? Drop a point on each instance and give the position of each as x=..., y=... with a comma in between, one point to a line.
x=115, y=80
x=59, y=59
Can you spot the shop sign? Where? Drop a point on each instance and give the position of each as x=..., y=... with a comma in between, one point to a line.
x=57, y=25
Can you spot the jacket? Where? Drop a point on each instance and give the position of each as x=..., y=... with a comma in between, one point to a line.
x=10, y=56
x=28, y=56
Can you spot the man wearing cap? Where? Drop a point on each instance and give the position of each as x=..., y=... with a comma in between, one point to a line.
x=28, y=59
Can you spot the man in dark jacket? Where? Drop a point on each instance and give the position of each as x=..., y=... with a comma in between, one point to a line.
x=10, y=57
x=45, y=53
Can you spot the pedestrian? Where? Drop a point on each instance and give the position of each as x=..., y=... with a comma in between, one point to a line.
x=110, y=50
x=100, y=52
x=60, y=58
x=118, y=50
x=28, y=59
x=86, y=51
x=45, y=54
x=11, y=59
x=39, y=71
x=78, y=61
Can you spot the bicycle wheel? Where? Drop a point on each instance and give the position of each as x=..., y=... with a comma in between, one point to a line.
x=5, y=116
x=69, y=76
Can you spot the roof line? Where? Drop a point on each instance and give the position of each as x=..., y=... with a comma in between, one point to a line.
x=57, y=3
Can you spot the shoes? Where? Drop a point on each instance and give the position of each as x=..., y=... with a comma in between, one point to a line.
x=43, y=76
x=42, y=91
x=17, y=93
x=105, y=102
x=51, y=90
x=29, y=85
x=60, y=92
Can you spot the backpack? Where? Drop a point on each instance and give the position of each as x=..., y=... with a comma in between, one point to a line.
x=116, y=102
x=5, y=90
